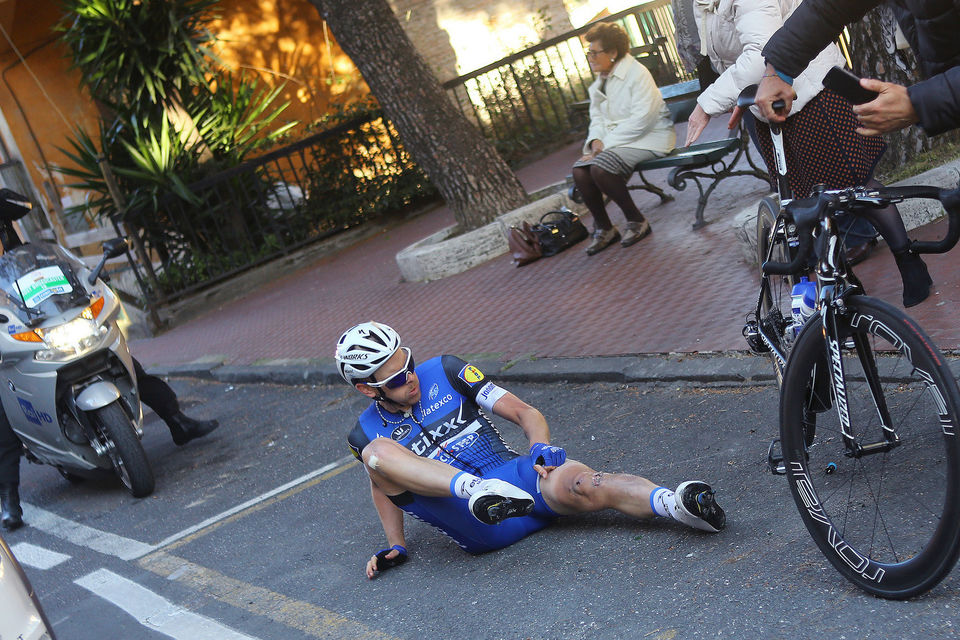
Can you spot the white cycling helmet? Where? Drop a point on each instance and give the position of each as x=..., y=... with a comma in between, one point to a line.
x=363, y=348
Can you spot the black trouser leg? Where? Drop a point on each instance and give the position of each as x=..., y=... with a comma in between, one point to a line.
x=156, y=394
x=889, y=223
x=11, y=515
x=10, y=449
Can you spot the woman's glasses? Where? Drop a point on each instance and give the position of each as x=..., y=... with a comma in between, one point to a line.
x=398, y=379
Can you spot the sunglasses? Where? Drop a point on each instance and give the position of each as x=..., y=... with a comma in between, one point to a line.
x=398, y=379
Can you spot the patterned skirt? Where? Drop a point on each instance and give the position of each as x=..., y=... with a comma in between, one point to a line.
x=620, y=160
x=822, y=146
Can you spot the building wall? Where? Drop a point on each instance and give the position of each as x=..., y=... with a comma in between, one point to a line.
x=41, y=99
x=286, y=43
x=281, y=41
x=456, y=37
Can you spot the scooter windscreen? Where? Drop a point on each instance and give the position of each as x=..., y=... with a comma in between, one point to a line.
x=40, y=281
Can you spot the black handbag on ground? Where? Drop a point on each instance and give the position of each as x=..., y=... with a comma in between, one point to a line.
x=559, y=230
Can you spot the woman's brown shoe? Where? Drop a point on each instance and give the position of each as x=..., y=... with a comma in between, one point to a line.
x=636, y=231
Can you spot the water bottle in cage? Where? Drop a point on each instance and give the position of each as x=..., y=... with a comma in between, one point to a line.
x=804, y=302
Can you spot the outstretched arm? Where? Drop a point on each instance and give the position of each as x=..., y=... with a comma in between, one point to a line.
x=811, y=27
x=391, y=517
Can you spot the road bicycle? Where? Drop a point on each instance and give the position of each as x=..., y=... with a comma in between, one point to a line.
x=869, y=409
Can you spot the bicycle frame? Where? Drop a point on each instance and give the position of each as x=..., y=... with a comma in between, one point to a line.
x=835, y=281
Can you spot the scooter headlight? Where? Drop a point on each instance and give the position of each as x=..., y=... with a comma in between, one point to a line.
x=72, y=339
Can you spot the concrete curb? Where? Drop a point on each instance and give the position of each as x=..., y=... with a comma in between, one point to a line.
x=736, y=367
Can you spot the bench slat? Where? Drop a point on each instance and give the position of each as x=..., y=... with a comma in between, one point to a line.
x=705, y=153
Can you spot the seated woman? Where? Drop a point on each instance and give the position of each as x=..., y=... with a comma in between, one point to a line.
x=629, y=123
x=821, y=143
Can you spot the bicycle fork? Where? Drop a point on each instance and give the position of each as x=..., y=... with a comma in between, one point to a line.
x=833, y=311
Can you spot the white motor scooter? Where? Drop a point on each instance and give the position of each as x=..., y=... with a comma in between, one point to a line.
x=67, y=381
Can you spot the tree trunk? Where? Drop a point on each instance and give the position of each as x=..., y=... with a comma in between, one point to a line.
x=471, y=176
x=875, y=55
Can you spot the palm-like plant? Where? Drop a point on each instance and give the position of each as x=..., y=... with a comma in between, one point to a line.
x=139, y=52
x=236, y=115
x=169, y=105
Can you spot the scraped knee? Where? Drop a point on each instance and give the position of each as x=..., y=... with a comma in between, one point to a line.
x=378, y=452
x=586, y=483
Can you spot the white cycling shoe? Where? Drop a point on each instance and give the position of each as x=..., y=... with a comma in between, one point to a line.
x=496, y=500
x=695, y=506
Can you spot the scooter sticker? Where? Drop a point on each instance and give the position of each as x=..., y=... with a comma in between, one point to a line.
x=34, y=416
x=39, y=285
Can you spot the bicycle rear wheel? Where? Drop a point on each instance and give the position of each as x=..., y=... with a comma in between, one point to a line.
x=776, y=319
x=889, y=521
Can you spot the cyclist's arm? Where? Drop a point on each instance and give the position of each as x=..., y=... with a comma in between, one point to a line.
x=391, y=518
x=811, y=27
x=534, y=425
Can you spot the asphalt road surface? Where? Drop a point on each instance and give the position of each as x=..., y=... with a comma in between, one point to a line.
x=262, y=529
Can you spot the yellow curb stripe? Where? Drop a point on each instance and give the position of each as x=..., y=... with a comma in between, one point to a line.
x=305, y=617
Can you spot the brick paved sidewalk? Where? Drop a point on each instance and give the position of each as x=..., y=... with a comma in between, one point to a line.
x=678, y=290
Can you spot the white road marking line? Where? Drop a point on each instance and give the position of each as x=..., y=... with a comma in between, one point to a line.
x=253, y=501
x=154, y=611
x=129, y=549
x=37, y=557
x=80, y=534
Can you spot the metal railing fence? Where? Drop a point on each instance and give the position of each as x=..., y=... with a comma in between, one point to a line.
x=523, y=101
x=272, y=205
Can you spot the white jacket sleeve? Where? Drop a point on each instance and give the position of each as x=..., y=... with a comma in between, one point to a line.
x=756, y=21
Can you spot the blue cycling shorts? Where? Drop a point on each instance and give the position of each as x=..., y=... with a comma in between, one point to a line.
x=452, y=515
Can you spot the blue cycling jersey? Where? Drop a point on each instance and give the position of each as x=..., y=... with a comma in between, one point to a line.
x=449, y=424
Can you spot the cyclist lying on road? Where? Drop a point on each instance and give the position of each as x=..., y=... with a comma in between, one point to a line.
x=440, y=459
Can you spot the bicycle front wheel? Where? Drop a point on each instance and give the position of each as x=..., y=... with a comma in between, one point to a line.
x=886, y=511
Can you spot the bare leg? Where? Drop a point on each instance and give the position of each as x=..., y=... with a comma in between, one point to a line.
x=576, y=488
x=395, y=469
x=592, y=197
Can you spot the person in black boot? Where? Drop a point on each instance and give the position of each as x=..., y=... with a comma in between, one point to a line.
x=916, y=278
x=11, y=515
x=157, y=394
x=154, y=392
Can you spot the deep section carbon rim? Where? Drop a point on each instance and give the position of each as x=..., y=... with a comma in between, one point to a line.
x=888, y=520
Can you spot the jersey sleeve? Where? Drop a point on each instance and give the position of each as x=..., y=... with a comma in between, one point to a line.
x=470, y=382
x=357, y=440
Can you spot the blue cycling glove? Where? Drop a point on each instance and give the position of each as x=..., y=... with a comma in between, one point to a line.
x=547, y=455
x=384, y=563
